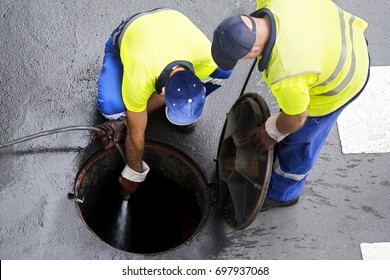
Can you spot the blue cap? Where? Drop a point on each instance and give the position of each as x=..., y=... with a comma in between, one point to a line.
x=185, y=97
x=232, y=40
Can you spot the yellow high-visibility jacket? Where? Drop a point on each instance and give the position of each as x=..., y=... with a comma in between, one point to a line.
x=151, y=41
x=319, y=60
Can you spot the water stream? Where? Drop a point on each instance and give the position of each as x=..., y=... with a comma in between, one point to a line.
x=121, y=226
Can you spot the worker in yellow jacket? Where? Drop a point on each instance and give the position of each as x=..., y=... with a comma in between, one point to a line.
x=152, y=59
x=313, y=55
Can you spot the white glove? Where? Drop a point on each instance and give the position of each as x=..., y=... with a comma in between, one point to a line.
x=272, y=129
x=135, y=176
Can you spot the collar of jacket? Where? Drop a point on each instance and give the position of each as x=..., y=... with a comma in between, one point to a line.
x=162, y=79
x=272, y=38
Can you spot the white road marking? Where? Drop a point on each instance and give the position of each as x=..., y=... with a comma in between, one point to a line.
x=375, y=251
x=364, y=126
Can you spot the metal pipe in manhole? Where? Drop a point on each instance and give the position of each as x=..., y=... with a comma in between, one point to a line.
x=169, y=208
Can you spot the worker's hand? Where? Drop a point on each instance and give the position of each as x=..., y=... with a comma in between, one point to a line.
x=110, y=133
x=262, y=139
x=128, y=186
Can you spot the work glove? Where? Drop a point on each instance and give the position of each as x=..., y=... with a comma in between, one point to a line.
x=131, y=179
x=264, y=142
x=110, y=133
x=266, y=135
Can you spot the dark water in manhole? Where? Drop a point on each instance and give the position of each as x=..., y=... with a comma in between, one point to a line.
x=161, y=214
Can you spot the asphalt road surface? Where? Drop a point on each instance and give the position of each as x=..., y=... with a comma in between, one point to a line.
x=50, y=57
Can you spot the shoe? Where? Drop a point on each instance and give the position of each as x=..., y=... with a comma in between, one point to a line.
x=270, y=203
x=186, y=128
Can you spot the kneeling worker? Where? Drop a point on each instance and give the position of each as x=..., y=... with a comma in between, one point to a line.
x=151, y=59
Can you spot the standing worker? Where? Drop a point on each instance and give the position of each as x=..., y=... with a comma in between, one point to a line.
x=313, y=55
x=153, y=58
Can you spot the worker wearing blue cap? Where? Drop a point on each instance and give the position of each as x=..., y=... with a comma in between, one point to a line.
x=153, y=58
x=313, y=55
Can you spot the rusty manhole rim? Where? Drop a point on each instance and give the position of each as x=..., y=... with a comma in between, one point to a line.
x=161, y=147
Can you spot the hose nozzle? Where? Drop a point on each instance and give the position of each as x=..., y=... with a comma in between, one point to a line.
x=125, y=194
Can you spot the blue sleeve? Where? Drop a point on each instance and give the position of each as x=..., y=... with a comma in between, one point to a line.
x=216, y=79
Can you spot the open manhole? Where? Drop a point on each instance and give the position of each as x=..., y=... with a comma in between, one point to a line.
x=168, y=208
x=171, y=206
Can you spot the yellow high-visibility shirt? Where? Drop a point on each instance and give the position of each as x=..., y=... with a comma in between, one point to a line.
x=153, y=40
x=320, y=58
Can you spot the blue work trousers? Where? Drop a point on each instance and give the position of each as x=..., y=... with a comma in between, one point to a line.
x=296, y=154
x=109, y=100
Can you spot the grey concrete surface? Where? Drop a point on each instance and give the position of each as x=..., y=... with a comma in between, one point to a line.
x=51, y=53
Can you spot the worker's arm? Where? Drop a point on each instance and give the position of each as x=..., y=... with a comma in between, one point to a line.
x=135, y=138
x=155, y=101
x=276, y=128
x=216, y=79
x=136, y=170
x=293, y=97
x=290, y=123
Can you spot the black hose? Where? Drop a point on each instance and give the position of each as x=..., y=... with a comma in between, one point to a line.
x=248, y=76
x=58, y=130
x=45, y=133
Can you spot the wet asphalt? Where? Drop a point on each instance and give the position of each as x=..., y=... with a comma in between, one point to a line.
x=51, y=53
